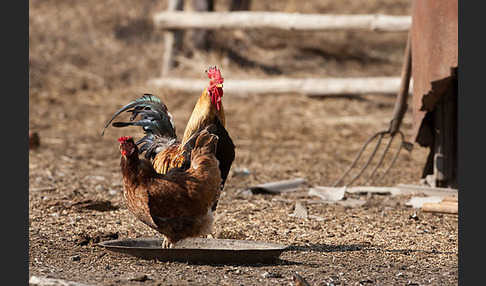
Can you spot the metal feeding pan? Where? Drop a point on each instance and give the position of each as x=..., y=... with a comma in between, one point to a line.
x=199, y=250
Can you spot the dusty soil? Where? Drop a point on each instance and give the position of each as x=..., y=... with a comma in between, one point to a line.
x=87, y=58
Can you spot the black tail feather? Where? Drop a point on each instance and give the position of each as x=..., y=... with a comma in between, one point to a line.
x=155, y=117
x=225, y=152
x=155, y=120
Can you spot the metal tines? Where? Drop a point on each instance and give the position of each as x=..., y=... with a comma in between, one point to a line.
x=391, y=132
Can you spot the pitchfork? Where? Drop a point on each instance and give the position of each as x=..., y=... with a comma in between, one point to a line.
x=398, y=114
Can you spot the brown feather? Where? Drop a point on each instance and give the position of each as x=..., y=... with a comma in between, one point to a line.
x=172, y=157
x=203, y=114
x=177, y=204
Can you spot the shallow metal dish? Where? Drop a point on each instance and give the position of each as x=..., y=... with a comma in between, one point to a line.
x=199, y=250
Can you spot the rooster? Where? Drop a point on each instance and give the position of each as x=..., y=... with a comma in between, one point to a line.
x=176, y=204
x=160, y=143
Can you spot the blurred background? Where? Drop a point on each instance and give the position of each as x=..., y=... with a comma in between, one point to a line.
x=89, y=58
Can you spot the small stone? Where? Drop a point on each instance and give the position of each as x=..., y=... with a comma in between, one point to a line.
x=140, y=278
x=267, y=275
x=244, y=193
x=113, y=192
x=327, y=194
x=95, y=178
x=414, y=216
x=99, y=188
x=300, y=211
x=75, y=258
x=241, y=172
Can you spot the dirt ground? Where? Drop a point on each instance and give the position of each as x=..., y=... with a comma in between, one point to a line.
x=88, y=58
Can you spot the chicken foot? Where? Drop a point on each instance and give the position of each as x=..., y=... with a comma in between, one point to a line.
x=166, y=244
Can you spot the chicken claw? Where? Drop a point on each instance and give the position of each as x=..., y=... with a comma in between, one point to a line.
x=166, y=243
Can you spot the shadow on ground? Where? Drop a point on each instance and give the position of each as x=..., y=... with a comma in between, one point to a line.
x=359, y=247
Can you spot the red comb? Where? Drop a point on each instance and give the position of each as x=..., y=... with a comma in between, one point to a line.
x=124, y=139
x=215, y=74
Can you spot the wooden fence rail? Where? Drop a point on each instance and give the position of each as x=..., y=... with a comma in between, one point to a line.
x=174, y=19
x=306, y=86
x=277, y=20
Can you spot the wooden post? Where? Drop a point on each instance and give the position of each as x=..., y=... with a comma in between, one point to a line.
x=240, y=5
x=172, y=40
x=201, y=38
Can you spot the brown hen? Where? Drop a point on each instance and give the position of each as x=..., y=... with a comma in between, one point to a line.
x=177, y=204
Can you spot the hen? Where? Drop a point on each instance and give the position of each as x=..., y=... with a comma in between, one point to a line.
x=160, y=143
x=177, y=204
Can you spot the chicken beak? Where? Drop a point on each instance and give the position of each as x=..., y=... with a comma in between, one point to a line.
x=123, y=151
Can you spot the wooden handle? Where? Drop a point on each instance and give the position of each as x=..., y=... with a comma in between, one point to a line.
x=442, y=207
x=450, y=199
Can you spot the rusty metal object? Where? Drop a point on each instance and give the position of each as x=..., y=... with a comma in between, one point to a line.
x=435, y=55
x=435, y=60
x=394, y=128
